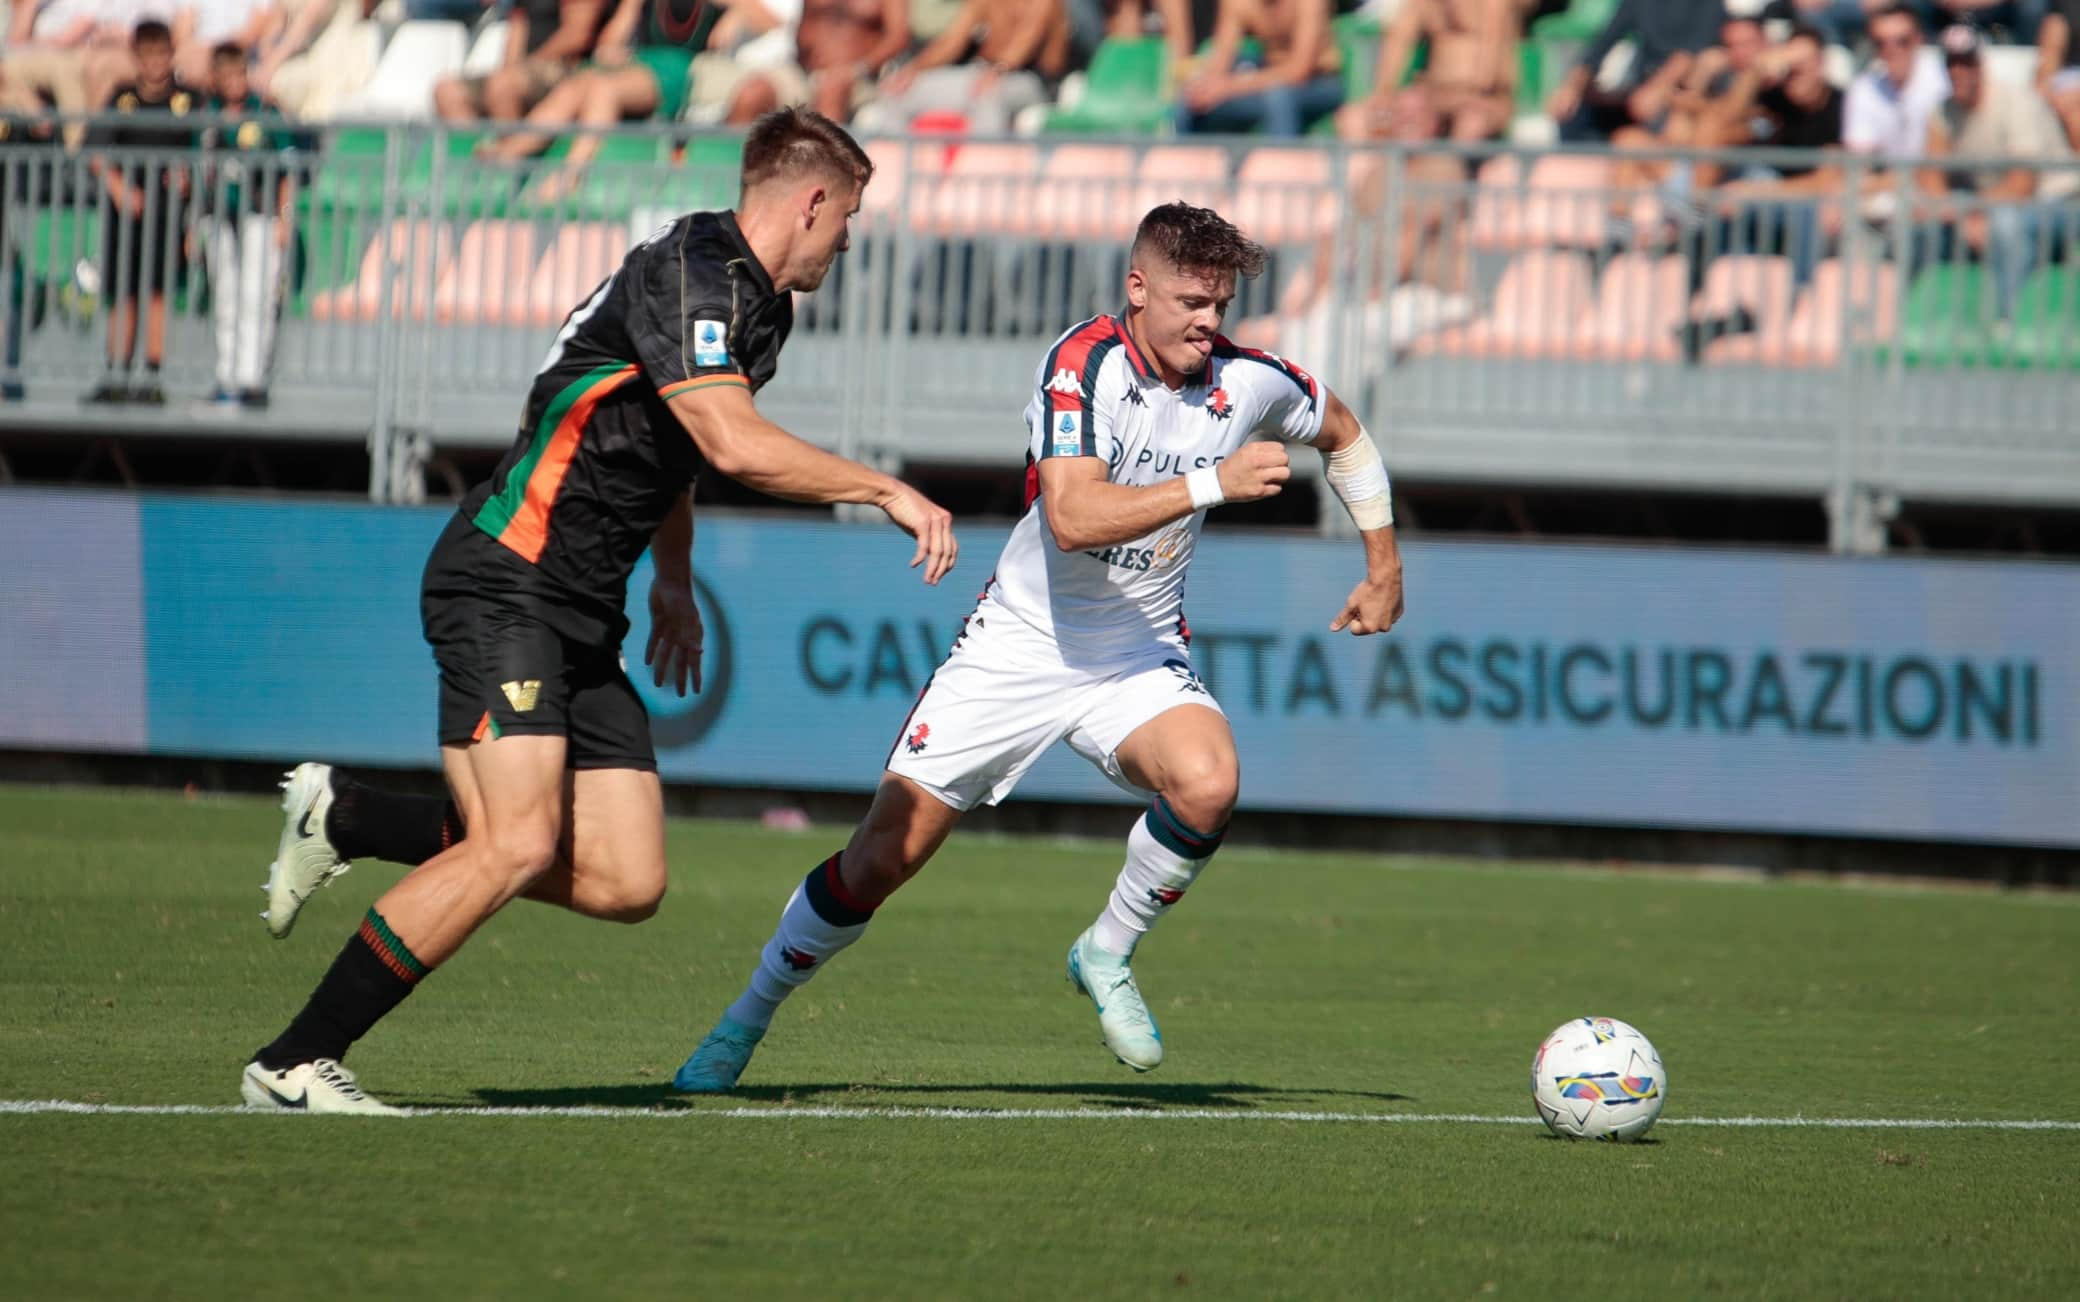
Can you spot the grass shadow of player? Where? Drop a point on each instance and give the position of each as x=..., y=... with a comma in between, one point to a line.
x=1232, y=1095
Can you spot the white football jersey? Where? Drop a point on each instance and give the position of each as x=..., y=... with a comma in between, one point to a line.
x=1096, y=396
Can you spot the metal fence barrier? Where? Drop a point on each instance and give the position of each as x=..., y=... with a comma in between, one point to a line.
x=1495, y=316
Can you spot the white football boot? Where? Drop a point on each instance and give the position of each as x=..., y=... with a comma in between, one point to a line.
x=304, y=859
x=1130, y=1029
x=323, y=1087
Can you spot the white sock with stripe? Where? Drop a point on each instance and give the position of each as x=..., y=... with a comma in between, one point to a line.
x=820, y=919
x=1164, y=858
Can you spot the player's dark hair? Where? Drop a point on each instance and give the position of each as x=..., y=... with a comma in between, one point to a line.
x=227, y=52
x=1197, y=240
x=798, y=142
x=150, y=32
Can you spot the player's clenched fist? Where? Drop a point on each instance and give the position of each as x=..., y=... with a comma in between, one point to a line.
x=1257, y=470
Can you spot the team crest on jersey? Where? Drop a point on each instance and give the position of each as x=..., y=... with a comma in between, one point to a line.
x=1068, y=434
x=1218, y=406
x=710, y=344
x=919, y=739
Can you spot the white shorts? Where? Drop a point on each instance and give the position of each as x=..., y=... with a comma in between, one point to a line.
x=1004, y=696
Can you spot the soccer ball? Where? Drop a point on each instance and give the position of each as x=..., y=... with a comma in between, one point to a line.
x=1596, y=1078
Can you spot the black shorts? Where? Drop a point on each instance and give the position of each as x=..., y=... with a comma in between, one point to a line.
x=506, y=671
x=142, y=255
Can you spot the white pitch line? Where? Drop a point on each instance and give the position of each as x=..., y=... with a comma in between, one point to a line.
x=64, y=1107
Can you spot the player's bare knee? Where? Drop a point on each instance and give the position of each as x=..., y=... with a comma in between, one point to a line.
x=1202, y=789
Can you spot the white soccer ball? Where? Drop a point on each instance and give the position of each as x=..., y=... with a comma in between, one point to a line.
x=1597, y=1078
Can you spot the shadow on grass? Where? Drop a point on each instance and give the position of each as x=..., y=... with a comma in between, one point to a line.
x=1121, y=1094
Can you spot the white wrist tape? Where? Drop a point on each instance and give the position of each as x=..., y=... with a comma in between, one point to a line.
x=1205, y=486
x=1360, y=479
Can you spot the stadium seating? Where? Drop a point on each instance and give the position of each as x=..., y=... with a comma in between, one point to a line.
x=1193, y=173
x=987, y=187
x=1127, y=90
x=417, y=55
x=582, y=255
x=1563, y=201
x=1640, y=301
x=1760, y=286
x=488, y=279
x=1083, y=194
x=1538, y=310
x=422, y=247
x=1946, y=318
x=2046, y=321
x=1282, y=194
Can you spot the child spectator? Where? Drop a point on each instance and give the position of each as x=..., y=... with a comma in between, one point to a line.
x=248, y=219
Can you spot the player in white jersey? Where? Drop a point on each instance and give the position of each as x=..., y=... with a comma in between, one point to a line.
x=1139, y=424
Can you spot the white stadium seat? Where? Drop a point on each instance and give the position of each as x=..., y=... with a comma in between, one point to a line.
x=418, y=55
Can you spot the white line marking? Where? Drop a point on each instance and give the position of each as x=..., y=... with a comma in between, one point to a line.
x=65, y=1107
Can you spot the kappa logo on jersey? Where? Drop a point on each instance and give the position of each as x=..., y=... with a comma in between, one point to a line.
x=1188, y=681
x=710, y=344
x=1065, y=381
x=1068, y=434
x=1218, y=406
x=919, y=739
x=1165, y=895
x=799, y=960
x=1134, y=398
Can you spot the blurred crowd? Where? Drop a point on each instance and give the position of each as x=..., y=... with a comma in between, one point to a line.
x=1958, y=81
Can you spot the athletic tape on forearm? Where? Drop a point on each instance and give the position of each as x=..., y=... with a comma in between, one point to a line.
x=1360, y=479
x=1205, y=486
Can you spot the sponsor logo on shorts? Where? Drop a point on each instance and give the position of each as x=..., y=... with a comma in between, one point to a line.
x=710, y=343
x=919, y=739
x=1187, y=680
x=522, y=696
x=799, y=960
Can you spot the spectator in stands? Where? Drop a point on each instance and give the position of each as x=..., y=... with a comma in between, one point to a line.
x=997, y=58
x=310, y=58
x=1791, y=208
x=2018, y=18
x=1469, y=79
x=1706, y=111
x=1891, y=102
x=2058, y=65
x=1292, y=86
x=2008, y=216
x=639, y=69
x=249, y=215
x=142, y=242
x=545, y=41
x=62, y=53
x=200, y=27
x=1667, y=35
x=840, y=48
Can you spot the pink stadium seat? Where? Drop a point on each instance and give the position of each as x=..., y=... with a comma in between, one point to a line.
x=488, y=279
x=1084, y=194
x=890, y=187
x=1812, y=335
x=1762, y=285
x=583, y=255
x=1282, y=195
x=422, y=246
x=1564, y=201
x=1194, y=173
x=1639, y=303
x=1540, y=307
x=988, y=188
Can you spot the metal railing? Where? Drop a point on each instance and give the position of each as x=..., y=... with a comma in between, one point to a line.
x=1494, y=316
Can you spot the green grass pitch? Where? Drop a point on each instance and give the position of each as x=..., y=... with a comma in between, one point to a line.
x=136, y=972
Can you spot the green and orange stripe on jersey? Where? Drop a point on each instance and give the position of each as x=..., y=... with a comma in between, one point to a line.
x=700, y=382
x=518, y=514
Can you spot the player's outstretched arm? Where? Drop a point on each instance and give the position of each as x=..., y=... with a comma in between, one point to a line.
x=674, y=649
x=752, y=450
x=1086, y=510
x=1358, y=476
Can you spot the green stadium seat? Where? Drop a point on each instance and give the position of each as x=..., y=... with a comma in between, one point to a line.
x=59, y=238
x=1583, y=20
x=1947, y=319
x=1128, y=90
x=2045, y=321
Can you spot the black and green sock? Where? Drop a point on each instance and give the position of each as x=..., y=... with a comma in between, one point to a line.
x=371, y=976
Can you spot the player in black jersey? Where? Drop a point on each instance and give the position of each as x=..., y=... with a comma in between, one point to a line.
x=545, y=745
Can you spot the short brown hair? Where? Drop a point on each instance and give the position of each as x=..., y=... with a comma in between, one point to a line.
x=797, y=142
x=1198, y=240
